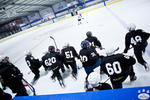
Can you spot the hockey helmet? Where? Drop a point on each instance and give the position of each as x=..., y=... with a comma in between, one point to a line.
x=51, y=49
x=66, y=45
x=110, y=51
x=131, y=27
x=85, y=44
x=94, y=79
x=4, y=58
x=89, y=34
x=28, y=52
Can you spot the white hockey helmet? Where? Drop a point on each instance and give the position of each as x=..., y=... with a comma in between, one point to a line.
x=110, y=51
x=94, y=79
x=131, y=27
x=28, y=52
x=66, y=45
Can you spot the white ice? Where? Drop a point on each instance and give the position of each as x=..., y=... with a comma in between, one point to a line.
x=102, y=24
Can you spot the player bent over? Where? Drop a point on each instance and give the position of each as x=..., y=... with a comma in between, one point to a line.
x=118, y=67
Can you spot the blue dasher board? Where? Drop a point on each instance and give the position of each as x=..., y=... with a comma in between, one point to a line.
x=138, y=93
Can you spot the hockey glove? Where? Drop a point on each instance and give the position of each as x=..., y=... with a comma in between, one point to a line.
x=58, y=50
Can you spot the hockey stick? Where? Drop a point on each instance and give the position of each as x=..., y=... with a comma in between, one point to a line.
x=54, y=41
x=113, y=50
x=30, y=86
x=107, y=80
x=116, y=49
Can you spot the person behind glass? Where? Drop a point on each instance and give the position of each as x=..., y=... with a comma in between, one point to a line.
x=137, y=38
x=12, y=77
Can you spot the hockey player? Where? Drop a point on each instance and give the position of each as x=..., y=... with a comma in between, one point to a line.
x=138, y=40
x=53, y=61
x=118, y=67
x=47, y=67
x=94, y=83
x=93, y=40
x=69, y=53
x=44, y=58
x=80, y=19
x=12, y=77
x=89, y=57
x=34, y=65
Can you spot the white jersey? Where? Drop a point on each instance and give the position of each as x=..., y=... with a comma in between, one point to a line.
x=79, y=17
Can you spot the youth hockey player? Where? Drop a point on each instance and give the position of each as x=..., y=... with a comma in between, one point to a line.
x=138, y=40
x=118, y=67
x=12, y=77
x=94, y=83
x=93, y=40
x=80, y=19
x=34, y=65
x=89, y=57
x=53, y=61
x=68, y=54
x=44, y=58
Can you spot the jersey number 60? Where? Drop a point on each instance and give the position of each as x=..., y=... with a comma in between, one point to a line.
x=113, y=68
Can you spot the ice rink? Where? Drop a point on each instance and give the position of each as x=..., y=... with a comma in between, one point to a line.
x=108, y=24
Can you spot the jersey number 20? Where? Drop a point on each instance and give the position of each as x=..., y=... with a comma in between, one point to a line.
x=50, y=61
x=113, y=68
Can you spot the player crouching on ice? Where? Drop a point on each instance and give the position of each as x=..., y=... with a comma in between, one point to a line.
x=94, y=84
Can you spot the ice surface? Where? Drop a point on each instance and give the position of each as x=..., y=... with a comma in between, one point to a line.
x=103, y=25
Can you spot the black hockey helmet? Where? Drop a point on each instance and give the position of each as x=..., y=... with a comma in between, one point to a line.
x=51, y=49
x=89, y=34
x=4, y=59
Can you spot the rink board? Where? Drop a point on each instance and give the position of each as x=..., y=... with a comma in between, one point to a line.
x=138, y=93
